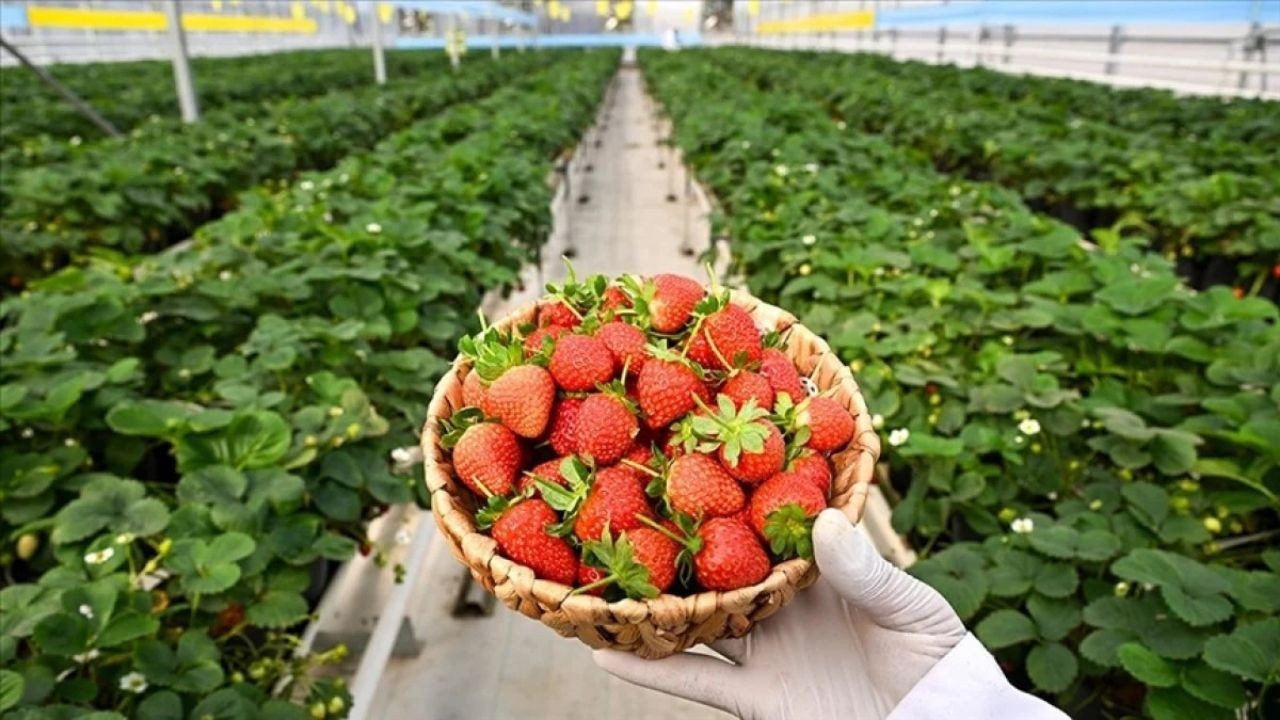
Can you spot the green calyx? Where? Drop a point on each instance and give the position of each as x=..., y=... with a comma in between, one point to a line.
x=690, y=543
x=789, y=531
x=492, y=352
x=617, y=558
x=496, y=505
x=579, y=297
x=568, y=499
x=731, y=428
x=457, y=424
x=786, y=415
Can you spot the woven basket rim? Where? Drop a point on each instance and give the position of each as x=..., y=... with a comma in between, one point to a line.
x=444, y=499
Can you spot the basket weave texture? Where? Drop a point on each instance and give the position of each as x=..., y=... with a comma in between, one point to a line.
x=667, y=624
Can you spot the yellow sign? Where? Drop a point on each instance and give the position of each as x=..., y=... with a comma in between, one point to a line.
x=857, y=20
x=602, y=8
x=753, y=7
x=84, y=19
x=386, y=11
x=623, y=9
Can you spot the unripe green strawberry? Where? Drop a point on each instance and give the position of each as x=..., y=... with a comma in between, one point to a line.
x=830, y=425
x=666, y=390
x=580, y=362
x=725, y=339
x=626, y=344
x=747, y=385
x=487, y=458
x=606, y=428
x=522, y=537
x=522, y=398
x=730, y=556
x=782, y=510
x=699, y=487
x=617, y=496
x=782, y=374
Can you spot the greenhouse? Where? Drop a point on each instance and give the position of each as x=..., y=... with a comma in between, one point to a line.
x=600, y=359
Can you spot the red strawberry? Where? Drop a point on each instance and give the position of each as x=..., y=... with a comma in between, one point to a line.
x=533, y=343
x=522, y=537
x=474, y=390
x=642, y=562
x=488, y=455
x=614, y=298
x=580, y=362
x=549, y=471
x=626, y=345
x=727, y=338
x=606, y=428
x=674, y=298
x=730, y=556
x=615, y=499
x=830, y=425
x=557, y=313
x=589, y=575
x=785, y=488
x=666, y=390
x=782, y=374
x=814, y=468
x=564, y=426
x=755, y=467
x=640, y=453
x=747, y=385
x=522, y=399
x=697, y=485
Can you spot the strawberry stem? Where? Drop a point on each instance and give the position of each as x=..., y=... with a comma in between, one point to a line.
x=642, y=468
x=606, y=580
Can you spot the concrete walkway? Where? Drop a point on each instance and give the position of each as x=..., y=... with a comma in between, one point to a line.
x=614, y=216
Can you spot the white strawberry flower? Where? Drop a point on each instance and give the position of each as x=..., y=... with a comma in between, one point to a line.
x=1029, y=426
x=134, y=682
x=86, y=611
x=100, y=556
x=85, y=657
x=1022, y=525
x=781, y=170
x=899, y=437
x=808, y=240
x=877, y=421
x=373, y=228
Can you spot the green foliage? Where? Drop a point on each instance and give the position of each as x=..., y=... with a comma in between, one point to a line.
x=1084, y=448
x=184, y=440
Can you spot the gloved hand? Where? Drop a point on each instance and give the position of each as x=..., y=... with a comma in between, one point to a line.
x=850, y=647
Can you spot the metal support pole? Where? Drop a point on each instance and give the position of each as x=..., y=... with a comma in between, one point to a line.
x=379, y=57
x=181, y=64
x=1009, y=35
x=74, y=100
x=1253, y=42
x=1113, y=48
x=942, y=44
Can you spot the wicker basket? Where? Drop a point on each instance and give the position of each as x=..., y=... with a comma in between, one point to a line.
x=661, y=626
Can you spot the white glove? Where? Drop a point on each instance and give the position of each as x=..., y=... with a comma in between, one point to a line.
x=855, y=646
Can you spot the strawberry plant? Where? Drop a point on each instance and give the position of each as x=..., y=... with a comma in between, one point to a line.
x=1081, y=447
x=188, y=438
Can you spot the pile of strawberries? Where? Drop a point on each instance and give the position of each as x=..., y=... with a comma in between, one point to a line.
x=643, y=437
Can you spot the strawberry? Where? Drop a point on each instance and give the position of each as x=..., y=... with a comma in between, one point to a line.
x=474, y=391
x=698, y=486
x=626, y=345
x=666, y=390
x=640, y=453
x=564, y=426
x=781, y=374
x=750, y=447
x=580, y=362
x=521, y=533
x=589, y=580
x=536, y=341
x=729, y=556
x=613, y=299
x=725, y=339
x=642, y=562
x=665, y=302
x=558, y=313
x=747, y=385
x=615, y=499
x=606, y=428
x=548, y=471
x=814, y=468
x=830, y=425
x=522, y=398
x=487, y=458
x=782, y=510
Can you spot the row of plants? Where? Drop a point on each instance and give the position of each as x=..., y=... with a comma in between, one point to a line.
x=1193, y=196
x=142, y=193
x=130, y=94
x=1083, y=450
x=184, y=444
